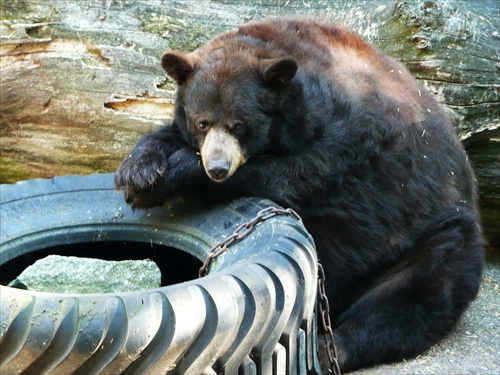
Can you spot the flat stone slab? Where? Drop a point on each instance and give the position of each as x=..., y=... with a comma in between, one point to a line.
x=60, y=274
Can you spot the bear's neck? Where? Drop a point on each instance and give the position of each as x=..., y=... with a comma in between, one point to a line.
x=309, y=107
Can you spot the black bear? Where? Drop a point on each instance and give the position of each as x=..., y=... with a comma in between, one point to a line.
x=311, y=117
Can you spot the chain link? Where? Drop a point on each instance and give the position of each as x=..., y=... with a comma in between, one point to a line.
x=242, y=231
x=324, y=308
x=324, y=311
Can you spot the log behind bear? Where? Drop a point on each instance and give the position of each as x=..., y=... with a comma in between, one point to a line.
x=309, y=116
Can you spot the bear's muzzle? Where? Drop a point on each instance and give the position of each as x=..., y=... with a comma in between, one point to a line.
x=218, y=169
x=221, y=154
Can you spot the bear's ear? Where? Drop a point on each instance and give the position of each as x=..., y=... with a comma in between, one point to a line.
x=279, y=70
x=177, y=65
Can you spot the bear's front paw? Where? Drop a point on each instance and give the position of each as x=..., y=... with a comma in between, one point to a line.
x=141, y=176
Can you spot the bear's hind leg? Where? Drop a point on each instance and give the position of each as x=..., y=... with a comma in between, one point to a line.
x=416, y=302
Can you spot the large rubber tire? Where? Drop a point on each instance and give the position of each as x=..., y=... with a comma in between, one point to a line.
x=254, y=312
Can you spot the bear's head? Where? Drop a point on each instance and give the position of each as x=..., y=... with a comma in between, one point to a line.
x=227, y=103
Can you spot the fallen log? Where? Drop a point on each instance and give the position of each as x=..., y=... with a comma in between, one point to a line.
x=81, y=81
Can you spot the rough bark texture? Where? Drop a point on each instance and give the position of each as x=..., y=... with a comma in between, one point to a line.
x=81, y=81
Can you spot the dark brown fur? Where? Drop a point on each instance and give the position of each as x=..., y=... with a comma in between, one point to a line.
x=328, y=125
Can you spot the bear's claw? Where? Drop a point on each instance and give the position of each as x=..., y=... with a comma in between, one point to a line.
x=140, y=176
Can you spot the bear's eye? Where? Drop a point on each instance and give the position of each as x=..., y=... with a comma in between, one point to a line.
x=238, y=128
x=202, y=125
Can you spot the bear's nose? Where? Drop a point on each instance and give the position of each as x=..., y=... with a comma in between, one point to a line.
x=218, y=169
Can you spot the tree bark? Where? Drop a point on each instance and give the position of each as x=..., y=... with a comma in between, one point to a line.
x=81, y=81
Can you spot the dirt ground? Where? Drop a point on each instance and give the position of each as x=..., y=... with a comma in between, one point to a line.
x=472, y=348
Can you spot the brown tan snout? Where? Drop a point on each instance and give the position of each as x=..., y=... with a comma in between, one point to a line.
x=221, y=155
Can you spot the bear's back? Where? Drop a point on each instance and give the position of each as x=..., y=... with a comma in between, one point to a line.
x=304, y=39
x=352, y=67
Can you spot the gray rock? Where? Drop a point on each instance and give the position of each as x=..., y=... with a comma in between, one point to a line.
x=59, y=274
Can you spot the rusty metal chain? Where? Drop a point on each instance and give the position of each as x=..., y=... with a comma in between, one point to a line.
x=324, y=308
x=242, y=231
x=324, y=311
